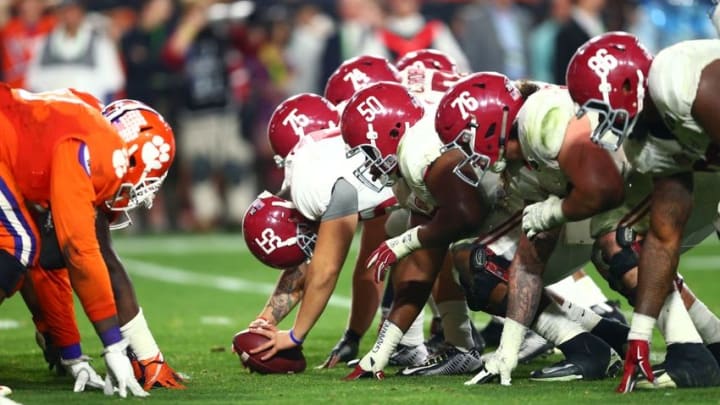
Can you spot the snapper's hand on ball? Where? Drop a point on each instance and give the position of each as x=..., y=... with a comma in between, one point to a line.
x=279, y=340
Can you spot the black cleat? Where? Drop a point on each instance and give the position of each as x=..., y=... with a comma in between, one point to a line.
x=686, y=365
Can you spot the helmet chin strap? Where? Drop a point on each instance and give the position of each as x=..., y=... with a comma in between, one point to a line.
x=500, y=164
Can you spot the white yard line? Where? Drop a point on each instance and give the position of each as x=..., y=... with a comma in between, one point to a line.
x=175, y=275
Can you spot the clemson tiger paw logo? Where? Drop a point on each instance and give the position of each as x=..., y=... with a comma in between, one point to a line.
x=155, y=152
x=120, y=162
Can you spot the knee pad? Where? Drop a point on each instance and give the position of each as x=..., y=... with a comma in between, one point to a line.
x=11, y=272
x=486, y=271
x=201, y=169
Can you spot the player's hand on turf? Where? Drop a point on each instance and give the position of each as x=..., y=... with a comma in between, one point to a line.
x=279, y=340
x=637, y=360
x=497, y=364
x=50, y=352
x=542, y=216
x=345, y=350
x=391, y=251
x=119, y=372
x=83, y=373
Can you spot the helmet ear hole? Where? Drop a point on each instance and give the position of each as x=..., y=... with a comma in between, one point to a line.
x=491, y=130
x=626, y=86
x=132, y=162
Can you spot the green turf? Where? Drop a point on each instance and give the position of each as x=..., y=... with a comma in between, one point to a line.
x=187, y=320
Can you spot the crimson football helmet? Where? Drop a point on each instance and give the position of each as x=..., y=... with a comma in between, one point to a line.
x=609, y=75
x=150, y=145
x=276, y=233
x=296, y=117
x=430, y=58
x=356, y=73
x=475, y=117
x=373, y=123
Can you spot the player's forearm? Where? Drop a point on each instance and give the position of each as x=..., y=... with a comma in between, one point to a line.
x=579, y=205
x=658, y=264
x=447, y=227
x=321, y=281
x=525, y=283
x=288, y=292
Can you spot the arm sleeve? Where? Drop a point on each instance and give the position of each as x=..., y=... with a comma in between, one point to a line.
x=343, y=201
x=71, y=202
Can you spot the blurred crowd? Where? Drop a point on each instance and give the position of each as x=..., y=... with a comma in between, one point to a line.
x=216, y=69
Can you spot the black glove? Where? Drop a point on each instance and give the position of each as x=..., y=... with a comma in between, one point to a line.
x=50, y=352
x=345, y=350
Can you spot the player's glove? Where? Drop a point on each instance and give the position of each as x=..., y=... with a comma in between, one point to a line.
x=637, y=360
x=345, y=350
x=83, y=373
x=542, y=216
x=155, y=372
x=503, y=361
x=391, y=251
x=119, y=372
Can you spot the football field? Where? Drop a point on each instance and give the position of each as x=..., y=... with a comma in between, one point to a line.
x=197, y=291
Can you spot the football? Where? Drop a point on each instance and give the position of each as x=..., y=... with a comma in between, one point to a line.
x=284, y=362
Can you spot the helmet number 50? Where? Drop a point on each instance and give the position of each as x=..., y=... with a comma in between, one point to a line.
x=370, y=108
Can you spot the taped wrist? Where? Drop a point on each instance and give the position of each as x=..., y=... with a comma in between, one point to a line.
x=11, y=272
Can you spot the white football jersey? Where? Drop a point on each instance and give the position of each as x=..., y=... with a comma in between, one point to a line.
x=315, y=165
x=673, y=82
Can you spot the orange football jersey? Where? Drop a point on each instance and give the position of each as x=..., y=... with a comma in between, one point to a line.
x=62, y=153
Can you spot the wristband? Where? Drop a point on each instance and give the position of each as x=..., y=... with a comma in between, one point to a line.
x=111, y=336
x=294, y=339
x=70, y=352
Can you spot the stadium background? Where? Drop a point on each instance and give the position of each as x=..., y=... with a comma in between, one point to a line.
x=198, y=289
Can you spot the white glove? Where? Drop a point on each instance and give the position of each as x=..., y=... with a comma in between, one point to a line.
x=83, y=373
x=504, y=360
x=120, y=372
x=542, y=216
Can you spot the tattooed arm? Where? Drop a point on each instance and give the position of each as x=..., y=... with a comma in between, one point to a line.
x=288, y=292
x=526, y=271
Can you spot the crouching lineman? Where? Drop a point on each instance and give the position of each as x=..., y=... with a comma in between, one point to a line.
x=663, y=111
x=402, y=147
x=574, y=179
x=321, y=185
x=61, y=153
x=151, y=147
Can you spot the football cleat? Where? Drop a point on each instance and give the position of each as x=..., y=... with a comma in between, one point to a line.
x=437, y=337
x=450, y=360
x=610, y=310
x=686, y=365
x=566, y=370
x=715, y=350
x=155, y=372
x=533, y=346
x=409, y=356
x=358, y=373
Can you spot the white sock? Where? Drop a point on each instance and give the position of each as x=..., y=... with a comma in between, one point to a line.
x=564, y=288
x=456, y=324
x=587, y=293
x=141, y=340
x=674, y=321
x=641, y=327
x=385, y=345
x=415, y=335
x=433, y=307
x=553, y=325
x=706, y=323
x=584, y=316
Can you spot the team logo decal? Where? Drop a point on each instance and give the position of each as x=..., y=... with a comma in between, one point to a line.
x=357, y=78
x=120, y=162
x=271, y=241
x=602, y=63
x=297, y=122
x=464, y=103
x=154, y=152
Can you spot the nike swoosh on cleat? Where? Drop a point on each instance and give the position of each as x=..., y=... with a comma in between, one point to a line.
x=410, y=370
